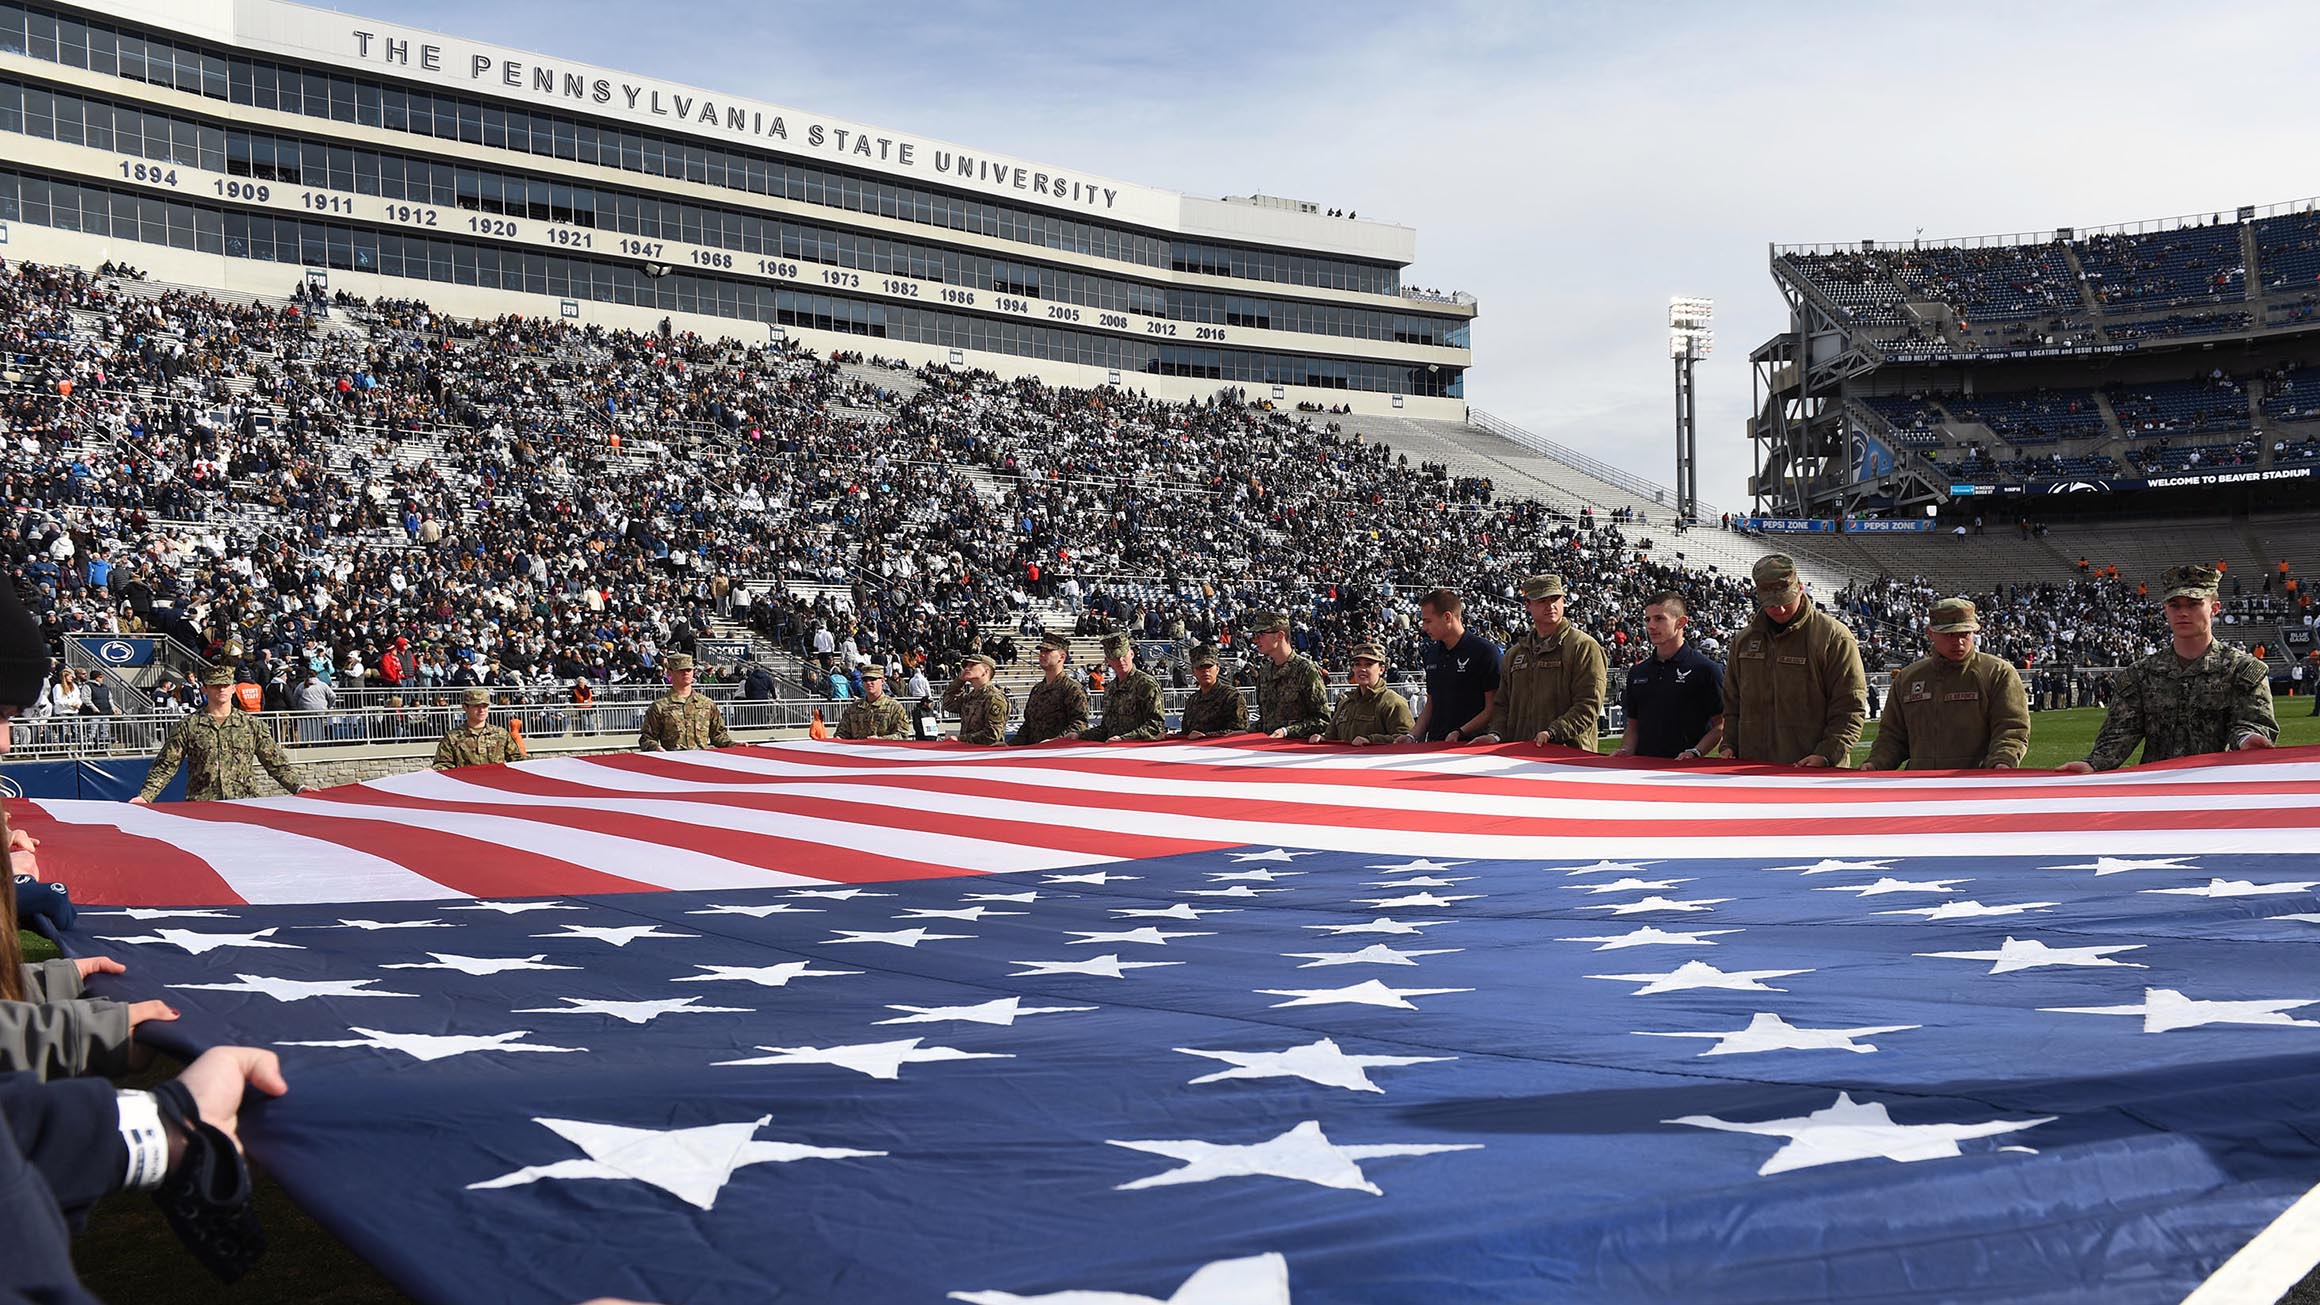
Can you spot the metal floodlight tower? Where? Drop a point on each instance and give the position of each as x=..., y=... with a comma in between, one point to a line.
x=1691, y=337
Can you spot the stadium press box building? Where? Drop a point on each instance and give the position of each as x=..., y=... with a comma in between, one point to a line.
x=249, y=145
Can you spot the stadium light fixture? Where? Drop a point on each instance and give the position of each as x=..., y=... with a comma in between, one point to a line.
x=1691, y=337
x=1691, y=327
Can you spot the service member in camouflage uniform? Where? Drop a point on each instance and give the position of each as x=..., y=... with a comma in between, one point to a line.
x=1956, y=710
x=477, y=742
x=875, y=715
x=1131, y=700
x=1292, y=694
x=1551, y=681
x=2197, y=696
x=1369, y=712
x=1057, y=707
x=682, y=720
x=221, y=747
x=1794, y=690
x=1213, y=709
x=980, y=705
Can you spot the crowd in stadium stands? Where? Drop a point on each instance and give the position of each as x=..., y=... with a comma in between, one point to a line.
x=2096, y=620
x=2168, y=456
x=423, y=501
x=388, y=498
x=2086, y=622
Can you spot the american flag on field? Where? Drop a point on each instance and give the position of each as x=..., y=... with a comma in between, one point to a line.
x=1261, y=1024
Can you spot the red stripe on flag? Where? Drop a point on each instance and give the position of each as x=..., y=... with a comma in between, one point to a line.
x=1074, y=837
x=1239, y=805
x=103, y=866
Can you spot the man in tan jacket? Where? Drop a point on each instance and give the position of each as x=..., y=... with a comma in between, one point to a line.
x=1957, y=709
x=1794, y=690
x=1550, y=685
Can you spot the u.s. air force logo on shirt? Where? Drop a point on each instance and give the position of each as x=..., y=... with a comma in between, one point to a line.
x=1683, y=675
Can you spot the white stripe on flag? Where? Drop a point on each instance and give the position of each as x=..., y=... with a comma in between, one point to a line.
x=1486, y=805
x=659, y=864
x=263, y=865
x=888, y=807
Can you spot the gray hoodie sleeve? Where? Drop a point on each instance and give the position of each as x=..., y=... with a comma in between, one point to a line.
x=64, y=1039
x=57, y=980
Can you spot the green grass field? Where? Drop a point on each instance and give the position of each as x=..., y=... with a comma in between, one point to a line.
x=129, y=1254
x=2060, y=736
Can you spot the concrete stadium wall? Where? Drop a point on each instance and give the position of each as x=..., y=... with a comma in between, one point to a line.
x=278, y=280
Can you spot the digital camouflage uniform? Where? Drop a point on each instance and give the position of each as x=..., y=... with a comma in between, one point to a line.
x=1379, y=715
x=2175, y=710
x=883, y=719
x=1131, y=710
x=1292, y=696
x=221, y=758
x=982, y=711
x=1796, y=690
x=1054, y=709
x=484, y=745
x=674, y=724
x=1217, y=710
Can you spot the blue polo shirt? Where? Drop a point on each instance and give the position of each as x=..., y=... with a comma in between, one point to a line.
x=1669, y=703
x=1457, y=678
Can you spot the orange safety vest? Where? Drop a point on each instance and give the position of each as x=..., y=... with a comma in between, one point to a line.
x=250, y=696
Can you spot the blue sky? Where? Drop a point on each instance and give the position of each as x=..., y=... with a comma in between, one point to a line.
x=1571, y=164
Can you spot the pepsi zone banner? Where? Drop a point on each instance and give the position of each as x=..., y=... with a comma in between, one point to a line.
x=1257, y=1024
x=116, y=649
x=1822, y=526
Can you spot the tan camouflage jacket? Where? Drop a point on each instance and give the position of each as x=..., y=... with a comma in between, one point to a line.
x=982, y=712
x=674, y=724
x=883, y=719
x=486, y=745
x=221, y=758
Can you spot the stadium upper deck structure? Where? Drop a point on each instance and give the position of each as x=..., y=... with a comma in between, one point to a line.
x=224, y=142
x=2158, y=367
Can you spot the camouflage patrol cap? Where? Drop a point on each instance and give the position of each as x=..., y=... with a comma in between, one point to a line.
x=217, y=677
x=1055, y=639
x=2189, y=581
x=477, y=696
x=1776, y=582
x=1543, y=586
x=873, y=672
x=981, y=659
x=1268, y=622
x=679, y=662
x=1118, y=645
x=1204, y=655
x=1368, y=652
x=1953, y=616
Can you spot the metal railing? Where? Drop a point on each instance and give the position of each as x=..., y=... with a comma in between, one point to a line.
x=1658, y=495
x=616, y=723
